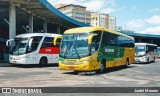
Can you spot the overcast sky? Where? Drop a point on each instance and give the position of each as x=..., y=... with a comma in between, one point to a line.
x=141, y=16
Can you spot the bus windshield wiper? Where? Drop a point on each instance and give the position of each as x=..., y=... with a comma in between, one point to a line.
x=65, y=53
x=74, y=47
x=77, y=52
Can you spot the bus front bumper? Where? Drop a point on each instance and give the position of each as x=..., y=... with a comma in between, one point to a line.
x=18, y=62
x=140, y=60
x=76, y=67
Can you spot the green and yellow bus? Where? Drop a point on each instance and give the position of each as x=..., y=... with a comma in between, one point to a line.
x=94, y=48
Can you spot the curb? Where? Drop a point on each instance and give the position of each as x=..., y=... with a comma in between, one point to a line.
x=3, y=61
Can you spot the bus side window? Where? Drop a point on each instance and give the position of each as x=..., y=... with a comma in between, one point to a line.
x=125, y=41
x=58, y=42
x=146, y=51
x=97, y=39
x=105, y=39
x=33, y=43
x=109, y=39
x=47, y=42
x=113, y=41
x=94, y=46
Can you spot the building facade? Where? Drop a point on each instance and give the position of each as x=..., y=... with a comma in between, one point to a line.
x=100, y=20
x=76, y=12
x=103, y=20
x=112, y=23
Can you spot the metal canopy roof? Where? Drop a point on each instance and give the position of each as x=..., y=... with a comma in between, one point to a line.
x=57, y=13
x=45, y=11
x=142, y=35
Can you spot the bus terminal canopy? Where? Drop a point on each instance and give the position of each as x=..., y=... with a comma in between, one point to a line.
x=45, y=11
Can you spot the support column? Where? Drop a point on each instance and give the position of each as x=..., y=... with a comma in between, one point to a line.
x=30, y=23
x=45, y=26
x=58, y=29
x=152, y=41
x=12, y=21
x=139, y=40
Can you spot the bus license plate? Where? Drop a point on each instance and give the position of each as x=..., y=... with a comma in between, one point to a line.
x=71, y=67
x=14, y=61
x=137, y=60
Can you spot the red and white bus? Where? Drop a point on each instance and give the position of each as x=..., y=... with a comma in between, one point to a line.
x=33, y=48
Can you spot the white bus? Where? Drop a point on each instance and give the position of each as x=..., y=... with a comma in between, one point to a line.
x=33, y=48
x=158, y=52
x=145, y=52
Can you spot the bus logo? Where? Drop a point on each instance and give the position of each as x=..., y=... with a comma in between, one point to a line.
x=48, y=50
x=109, y=50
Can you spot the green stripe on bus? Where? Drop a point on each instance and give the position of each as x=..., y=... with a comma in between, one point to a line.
x=111, y=53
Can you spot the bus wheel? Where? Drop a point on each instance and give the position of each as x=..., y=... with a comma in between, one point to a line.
x=154, y=59
x=43, y=61
x=76, y=72
x=102, y=66
x=127, y=63
x=148, y=60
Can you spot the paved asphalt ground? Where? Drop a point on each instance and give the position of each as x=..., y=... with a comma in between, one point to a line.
x=137, y=75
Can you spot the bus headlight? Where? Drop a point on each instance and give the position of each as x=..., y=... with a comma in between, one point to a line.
x=143, y=58
x=11, y=57
x=76, y=62
x=87, y=60
x=23, y=57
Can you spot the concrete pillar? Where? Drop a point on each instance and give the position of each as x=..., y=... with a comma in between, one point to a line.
x=45, y=26
x=139, y=40
x=12, y=21
x=152, y=41
x=58, y=29
x=30, y=23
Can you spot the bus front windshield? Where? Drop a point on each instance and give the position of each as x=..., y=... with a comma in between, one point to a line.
x=19, y=46
x=158, y=49
x=24, y=45
x=75, y=45
x=140, y=50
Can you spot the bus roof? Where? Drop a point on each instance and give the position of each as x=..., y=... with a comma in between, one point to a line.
x=91, y=29
x=145, y=44
x=36, y=34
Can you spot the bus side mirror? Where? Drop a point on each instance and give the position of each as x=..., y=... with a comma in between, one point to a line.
x=147, y=51
x=55, y=40
x=8, y=43
x=30, y=45
x=90, y=38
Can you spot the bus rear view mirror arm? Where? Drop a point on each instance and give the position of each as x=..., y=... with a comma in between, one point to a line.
x=8, y=42
x=90, y=38
x=55, y=40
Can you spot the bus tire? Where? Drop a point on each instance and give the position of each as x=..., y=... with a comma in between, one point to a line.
x=154, y=59
x=76, y=72
x=127, y=63
x=102, y=66
x=43, y=61
x=148, y=60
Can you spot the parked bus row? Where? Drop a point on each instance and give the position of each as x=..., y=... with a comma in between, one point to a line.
x=80, y=49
